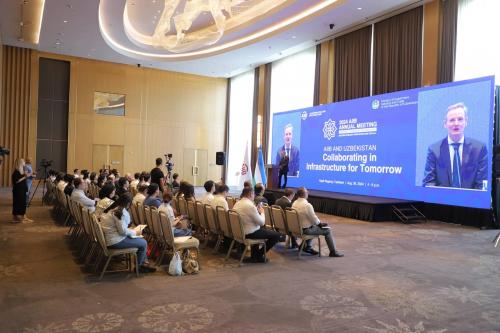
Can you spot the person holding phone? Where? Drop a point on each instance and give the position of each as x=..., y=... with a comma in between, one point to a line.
x=19, y=189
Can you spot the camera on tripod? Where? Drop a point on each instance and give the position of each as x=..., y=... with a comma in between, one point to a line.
x=45, y=164
x=168, y=162
x=4, y=151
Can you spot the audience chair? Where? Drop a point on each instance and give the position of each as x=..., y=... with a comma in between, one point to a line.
x=191, y=208
x=279, y=221
x=176, y=243
x=269, y=217
x=213, y=226
x=292, y=219
x=182, y=204
x=200, y=213
x=135, y=214
x=239, y=236
x=110, y=253
x=223, y=221
x=230, y=202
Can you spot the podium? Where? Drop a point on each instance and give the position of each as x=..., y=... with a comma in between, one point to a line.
x=272, y=175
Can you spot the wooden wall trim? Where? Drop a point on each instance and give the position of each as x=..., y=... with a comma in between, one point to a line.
x=430, y=43
x=14, y=123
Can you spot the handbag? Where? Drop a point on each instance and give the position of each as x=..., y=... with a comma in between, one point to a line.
x=175, y=266
x=190, y=264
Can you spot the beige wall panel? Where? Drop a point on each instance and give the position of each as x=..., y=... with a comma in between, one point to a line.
x=165, y=112
x=431, y=43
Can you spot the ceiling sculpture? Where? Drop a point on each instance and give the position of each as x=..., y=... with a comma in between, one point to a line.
x=187, y=29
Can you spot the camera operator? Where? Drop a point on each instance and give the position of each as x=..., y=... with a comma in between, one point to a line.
x=157, y=175
x=19, y=189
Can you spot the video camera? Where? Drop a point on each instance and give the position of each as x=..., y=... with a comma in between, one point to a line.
x=168, y=162
x=4, y=151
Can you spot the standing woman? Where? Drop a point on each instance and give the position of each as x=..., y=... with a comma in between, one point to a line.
x=19, y=189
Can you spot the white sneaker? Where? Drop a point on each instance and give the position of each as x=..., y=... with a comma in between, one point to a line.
x=27, y=220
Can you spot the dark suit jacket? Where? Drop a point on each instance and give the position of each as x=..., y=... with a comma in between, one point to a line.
x=293, y=164
x=474, y=164
x=283, y=202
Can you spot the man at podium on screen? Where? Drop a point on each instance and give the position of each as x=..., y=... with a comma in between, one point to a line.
x=457, y=160
x=289, y=150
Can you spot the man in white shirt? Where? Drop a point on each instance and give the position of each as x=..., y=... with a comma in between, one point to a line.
x=220, y=197
x=253, y=223
x=134, y=182
x=142, y=191
x=310, y=223
x=78, y=195
x=208, y=196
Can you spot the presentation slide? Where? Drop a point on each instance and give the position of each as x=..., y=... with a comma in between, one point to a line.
x=431, y=144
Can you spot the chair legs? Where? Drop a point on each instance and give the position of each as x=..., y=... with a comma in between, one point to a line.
x=243, y=254
x=230, y=249
x=105, y=266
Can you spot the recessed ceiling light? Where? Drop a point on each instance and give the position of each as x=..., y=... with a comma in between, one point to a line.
x=359, y=8
x=65, y=21
x=58, y=43
x=293, y=37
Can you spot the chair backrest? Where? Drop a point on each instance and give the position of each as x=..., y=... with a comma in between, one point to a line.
x=183, y=209
x=292, y=221
x=135, y=214
x=140, y=213
x=147, y=215
x=223, y=220
x=166, y=228
x=175, y=204
x=236, y=226
x=87, y=222
x=155, y=223
x=200, y=212
x=191, y=207
x=269, y=217
x=230, y=202
x=100, y=235
x=133, y=190
x=279, y=219
x=211, y=219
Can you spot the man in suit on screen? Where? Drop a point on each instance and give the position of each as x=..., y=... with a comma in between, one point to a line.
x=289, y=150
x=456, y=161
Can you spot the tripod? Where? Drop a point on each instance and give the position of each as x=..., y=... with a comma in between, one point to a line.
x=42, y=180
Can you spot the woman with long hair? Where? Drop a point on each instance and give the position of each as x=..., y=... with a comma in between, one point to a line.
x=115, y=222
x=19, y=189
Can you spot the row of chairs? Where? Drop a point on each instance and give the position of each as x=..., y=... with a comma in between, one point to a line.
x=87, y=236
x=159, y=232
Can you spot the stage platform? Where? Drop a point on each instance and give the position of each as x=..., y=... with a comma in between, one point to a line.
x=376, y=209
x=360, y=207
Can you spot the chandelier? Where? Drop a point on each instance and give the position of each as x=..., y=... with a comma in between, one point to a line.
x=174, y=31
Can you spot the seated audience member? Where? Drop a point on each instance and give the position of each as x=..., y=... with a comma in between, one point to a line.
x=115, y=173
x=208, y=196
x=63, y=181
x=186, y=191
x=180, y=226
x=52, y=175
x=101, y=180
x=259, y=194
x=175, y=182
x=253, y=223
x=76, y=173
x=153, y=198
x=69, y=184
x=247, y=183
x=286, y=202
x=106, y=195
x=142, y=191
x=93, y=178
x=135, y=181
x=85, y=176
x=78, y=195
x=311, y=224
x=220, y=197
x=111, y=178
x=122, y=186
x=115, y=224
x=145, y=178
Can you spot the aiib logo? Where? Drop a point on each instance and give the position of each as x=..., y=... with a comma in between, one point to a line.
x=303, y=115
x=329, y=129
x=375, y=104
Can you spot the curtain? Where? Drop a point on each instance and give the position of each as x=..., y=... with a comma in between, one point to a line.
x=397, y=56
x=351, y=76
x=477, y=47
x=447, y=40
x=317, y=75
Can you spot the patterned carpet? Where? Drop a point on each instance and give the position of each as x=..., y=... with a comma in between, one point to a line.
x=395, y=278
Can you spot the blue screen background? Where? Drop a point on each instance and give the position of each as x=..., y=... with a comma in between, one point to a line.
x=406, y=123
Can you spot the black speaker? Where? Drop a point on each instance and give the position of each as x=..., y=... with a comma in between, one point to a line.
x=220, y=158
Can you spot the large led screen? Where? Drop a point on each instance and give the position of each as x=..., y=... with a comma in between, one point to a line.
x=431, y=144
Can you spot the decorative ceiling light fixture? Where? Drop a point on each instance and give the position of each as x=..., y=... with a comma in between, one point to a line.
x=188, y=29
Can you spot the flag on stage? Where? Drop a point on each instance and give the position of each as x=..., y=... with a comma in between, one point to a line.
x=260, y=171
x=246, y=170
